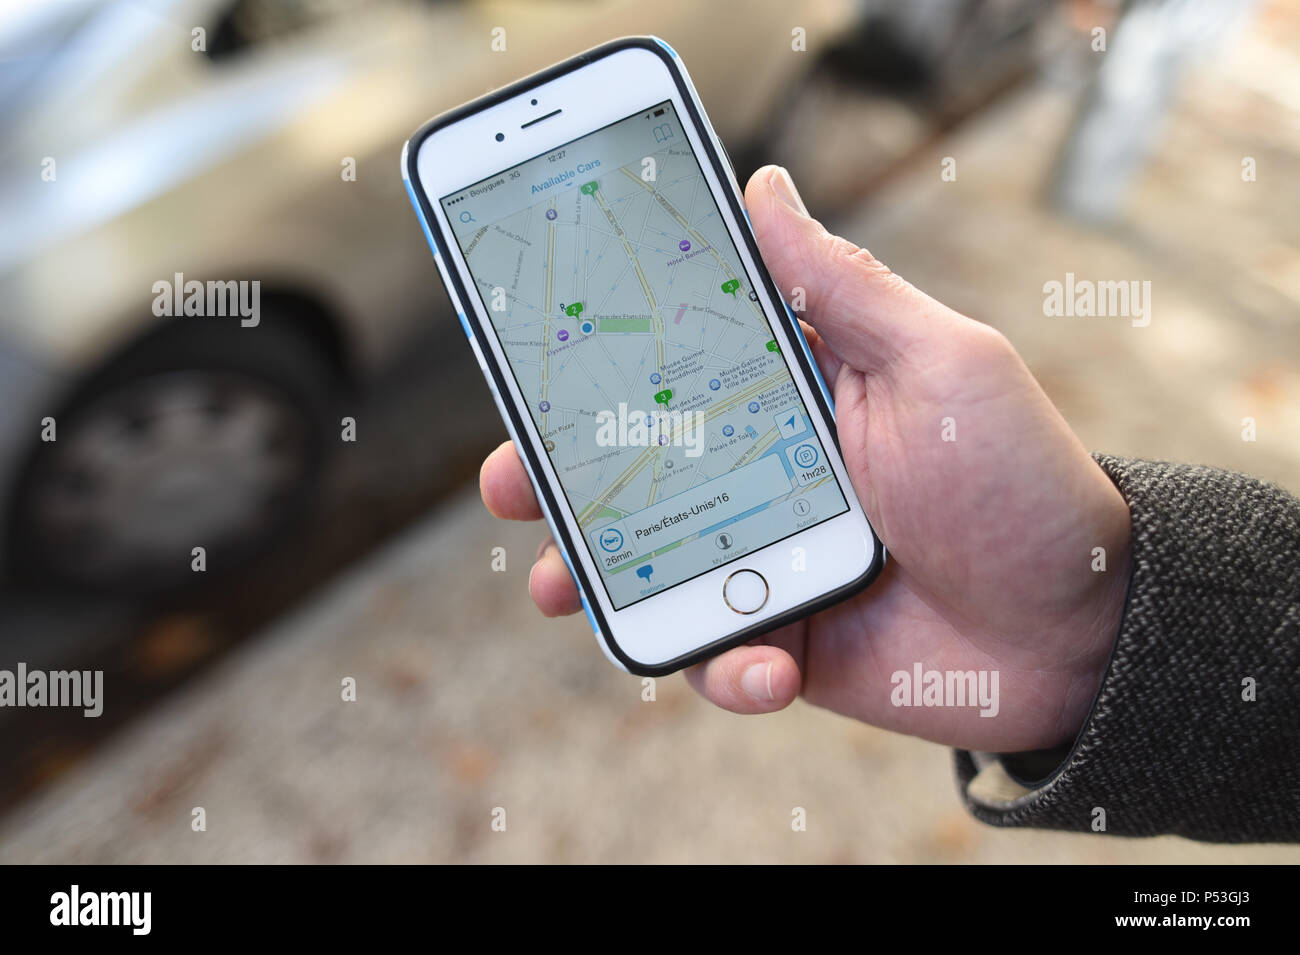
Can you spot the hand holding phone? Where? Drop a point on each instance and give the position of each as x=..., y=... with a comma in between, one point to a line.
x=602, y=251
x=989, y=504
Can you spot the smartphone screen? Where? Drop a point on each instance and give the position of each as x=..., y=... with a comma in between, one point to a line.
x=651, y=373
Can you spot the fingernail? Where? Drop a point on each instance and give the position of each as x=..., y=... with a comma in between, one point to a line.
x=757, y=682
x=783, y=186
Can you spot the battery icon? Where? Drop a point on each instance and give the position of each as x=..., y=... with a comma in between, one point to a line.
x=659, y=112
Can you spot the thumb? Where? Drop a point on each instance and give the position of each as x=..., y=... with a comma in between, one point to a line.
x=867, y=315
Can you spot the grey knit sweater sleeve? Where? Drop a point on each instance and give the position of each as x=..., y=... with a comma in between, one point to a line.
x=1196, y=728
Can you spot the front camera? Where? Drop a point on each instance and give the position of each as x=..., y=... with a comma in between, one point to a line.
x=501, y=137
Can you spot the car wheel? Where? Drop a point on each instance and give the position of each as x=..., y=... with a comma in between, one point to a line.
x=213, y=436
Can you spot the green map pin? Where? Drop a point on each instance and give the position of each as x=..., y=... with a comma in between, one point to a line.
x=589, y=188
x=730, y=286
x=574, y=310
x=772, y=346
x=664, y=396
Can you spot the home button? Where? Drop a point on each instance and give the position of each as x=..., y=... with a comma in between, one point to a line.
x=745, y=591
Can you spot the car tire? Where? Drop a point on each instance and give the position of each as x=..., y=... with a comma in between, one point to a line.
x=209, y=436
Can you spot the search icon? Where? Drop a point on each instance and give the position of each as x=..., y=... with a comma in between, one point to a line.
x=466, y=217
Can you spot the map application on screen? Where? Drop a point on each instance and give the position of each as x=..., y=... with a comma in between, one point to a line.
x=651, y=373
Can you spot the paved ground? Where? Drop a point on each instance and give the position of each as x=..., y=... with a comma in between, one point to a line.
x=468, y=701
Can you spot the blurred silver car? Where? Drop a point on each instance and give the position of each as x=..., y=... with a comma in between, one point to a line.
x=151, y=144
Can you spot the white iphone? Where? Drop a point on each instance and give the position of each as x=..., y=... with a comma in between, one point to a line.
x=593, y=239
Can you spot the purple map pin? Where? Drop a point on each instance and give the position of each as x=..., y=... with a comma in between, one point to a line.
x=684, y=245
